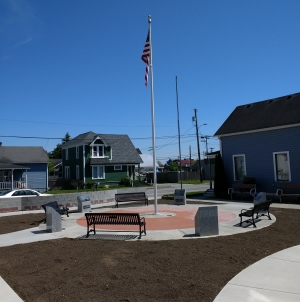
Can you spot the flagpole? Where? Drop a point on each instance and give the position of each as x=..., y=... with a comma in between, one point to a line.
x=153, y=120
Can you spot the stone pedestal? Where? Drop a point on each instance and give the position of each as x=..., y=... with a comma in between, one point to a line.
x=84, y=203
x=53, y=220
x=206, y=221
x=179, y=197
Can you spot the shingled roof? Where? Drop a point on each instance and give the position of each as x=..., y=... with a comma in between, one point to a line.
x=279, y=112
x=22, y=155
x=123, y=151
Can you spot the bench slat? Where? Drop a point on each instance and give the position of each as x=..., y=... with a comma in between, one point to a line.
x=132, y=196
x=93, y=219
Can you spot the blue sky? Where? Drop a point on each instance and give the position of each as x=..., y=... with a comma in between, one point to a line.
x=75, y=66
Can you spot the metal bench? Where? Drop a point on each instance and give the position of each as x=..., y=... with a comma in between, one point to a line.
x=260, y=209
x=93, y=219
x=133, y=197
x=288, y=190
x=248, y=189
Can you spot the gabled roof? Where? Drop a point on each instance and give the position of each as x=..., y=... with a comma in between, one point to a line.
x=123, y=151
x=279, y=112
x=23, y=155
x=79, y=140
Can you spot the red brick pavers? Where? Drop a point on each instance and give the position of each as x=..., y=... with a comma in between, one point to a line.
x=181, y=217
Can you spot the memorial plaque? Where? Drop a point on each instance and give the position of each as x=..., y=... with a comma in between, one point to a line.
x=53, y=220
x=206, y=221
x=260, y=197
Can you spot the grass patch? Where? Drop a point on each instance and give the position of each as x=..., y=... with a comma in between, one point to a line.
x=194, y=182
x=188, y=194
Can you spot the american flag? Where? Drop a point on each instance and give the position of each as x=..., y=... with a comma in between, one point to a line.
x=146, y=58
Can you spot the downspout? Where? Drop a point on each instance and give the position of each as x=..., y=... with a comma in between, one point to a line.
x=83, y=158
x=47, y=179
x=12, y=179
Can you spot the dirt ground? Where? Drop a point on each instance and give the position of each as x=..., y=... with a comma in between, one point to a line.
x=175, y=270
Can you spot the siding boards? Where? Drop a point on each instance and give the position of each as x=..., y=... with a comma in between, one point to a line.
x=37, y=177
x=258, y=149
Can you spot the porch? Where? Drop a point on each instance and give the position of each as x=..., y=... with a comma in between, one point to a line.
x=12, y=185
x=13, y=176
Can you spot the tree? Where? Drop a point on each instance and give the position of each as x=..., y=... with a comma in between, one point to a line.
x=51, y=168
x=57, y=151
x=220, y=184
x=66, y=138
x=173, y=166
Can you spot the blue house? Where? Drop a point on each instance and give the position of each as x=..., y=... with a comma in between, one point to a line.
x=262, y=140
x=23, y=167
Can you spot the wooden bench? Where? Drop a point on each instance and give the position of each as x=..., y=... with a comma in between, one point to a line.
x=59, y=209
x=93, y=219
x=134, y=197
x=288, y=190
x=242, y=189
x=260, y=209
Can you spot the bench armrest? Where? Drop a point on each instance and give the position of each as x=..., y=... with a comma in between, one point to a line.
x=230, y=191
x=278, y=192
x=253, y=192
x=245, y=210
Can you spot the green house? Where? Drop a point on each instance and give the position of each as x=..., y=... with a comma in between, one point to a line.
x=100, y=158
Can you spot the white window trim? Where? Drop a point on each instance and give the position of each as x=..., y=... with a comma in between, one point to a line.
x=233, y=164
x=77, y=172
x=98, y=172
x=118, y=167
x=274, y=165
x=67, y=172
x=77, y=152
x=98, y=147
x=67, y=154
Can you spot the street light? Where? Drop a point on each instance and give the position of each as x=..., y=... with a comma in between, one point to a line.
x=194, y=119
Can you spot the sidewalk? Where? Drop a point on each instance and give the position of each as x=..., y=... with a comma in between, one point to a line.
x=274, y=278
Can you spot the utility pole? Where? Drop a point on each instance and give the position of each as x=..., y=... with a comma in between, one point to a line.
x=197, y=135
x=190, y=159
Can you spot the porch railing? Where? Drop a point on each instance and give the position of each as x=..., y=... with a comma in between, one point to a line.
x=12, y=185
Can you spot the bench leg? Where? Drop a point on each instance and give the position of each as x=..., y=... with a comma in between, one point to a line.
x=253, y=222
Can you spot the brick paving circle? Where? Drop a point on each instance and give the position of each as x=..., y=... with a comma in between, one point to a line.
x=182, y=218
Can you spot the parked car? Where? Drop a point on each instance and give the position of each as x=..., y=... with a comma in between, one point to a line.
x=21, y=192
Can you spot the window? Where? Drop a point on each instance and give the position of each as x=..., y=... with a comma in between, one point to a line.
x=67, y=154
x=118, y=167
x=282, y=166
x=98, y=172
x=98, y=151
x=67, y=172
x=77, y=172
x=239, y=167
x=77, y=152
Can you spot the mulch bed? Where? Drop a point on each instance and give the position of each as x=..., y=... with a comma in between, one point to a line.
x=175, y=270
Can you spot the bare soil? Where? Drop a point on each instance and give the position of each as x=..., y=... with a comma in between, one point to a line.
x=98, y=270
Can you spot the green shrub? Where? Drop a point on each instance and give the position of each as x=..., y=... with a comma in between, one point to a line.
x=89, y=184
x=125, y=182
x=249, y=180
